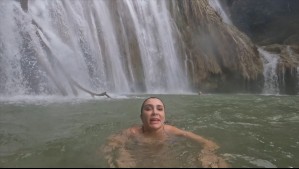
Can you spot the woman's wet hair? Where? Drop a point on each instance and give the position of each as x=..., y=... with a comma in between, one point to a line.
x=152, y=97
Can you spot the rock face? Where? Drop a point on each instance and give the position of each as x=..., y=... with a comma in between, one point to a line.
x=224, y=58
x=268, y=21
x=273, y=25
x=220, y=57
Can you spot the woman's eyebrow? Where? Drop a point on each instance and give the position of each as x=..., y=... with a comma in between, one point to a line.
x=148, y=105
x=159, y=105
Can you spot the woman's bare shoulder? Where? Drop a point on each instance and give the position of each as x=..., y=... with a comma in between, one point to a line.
x=173, y=129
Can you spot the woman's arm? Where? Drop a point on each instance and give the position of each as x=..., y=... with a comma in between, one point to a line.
x=207, y=155
x=208, y=145
x=116, y=145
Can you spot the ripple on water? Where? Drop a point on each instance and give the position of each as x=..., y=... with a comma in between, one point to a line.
x=255, y=161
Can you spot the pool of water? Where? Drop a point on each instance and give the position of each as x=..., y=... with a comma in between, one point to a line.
x=251, y=130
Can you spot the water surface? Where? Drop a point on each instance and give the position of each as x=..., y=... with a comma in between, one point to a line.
x=252, y=130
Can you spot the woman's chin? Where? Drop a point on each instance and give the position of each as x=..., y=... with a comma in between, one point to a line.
x=155, y=125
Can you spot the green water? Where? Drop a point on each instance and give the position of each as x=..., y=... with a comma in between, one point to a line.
x=252, y=130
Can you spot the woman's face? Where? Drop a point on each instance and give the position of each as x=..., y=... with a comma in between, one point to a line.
x=153, y=114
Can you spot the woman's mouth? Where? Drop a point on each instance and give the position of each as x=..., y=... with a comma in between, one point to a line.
x=154, y=120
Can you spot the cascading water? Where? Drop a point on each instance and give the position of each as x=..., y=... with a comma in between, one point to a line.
x=218, y=7
x=162, y=68
x=57, y=44
x=270, y=75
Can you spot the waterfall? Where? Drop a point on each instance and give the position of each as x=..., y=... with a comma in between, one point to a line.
x=163, y=69
x=270, y=75
x=218, y=8
x=57, y=43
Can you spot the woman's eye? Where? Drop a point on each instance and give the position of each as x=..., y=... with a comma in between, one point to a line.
x=160, y=108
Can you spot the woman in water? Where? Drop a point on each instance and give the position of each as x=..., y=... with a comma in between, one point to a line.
x=155, y=133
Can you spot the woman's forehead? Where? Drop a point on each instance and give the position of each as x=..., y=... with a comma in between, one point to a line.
x=154, y=101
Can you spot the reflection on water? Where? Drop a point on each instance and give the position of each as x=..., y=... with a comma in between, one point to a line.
x=252, y=130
